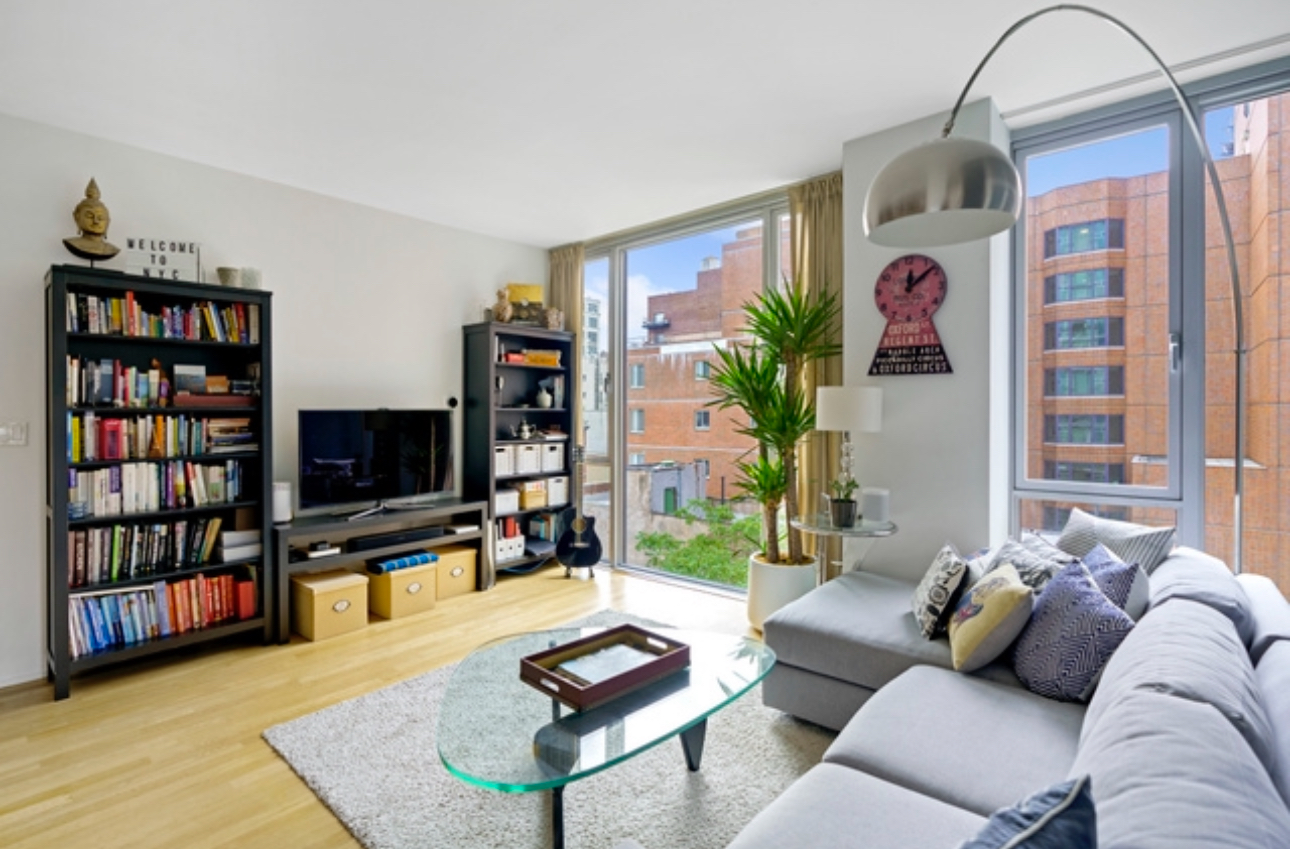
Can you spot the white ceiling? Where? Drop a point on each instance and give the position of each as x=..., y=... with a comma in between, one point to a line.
x=562, y=120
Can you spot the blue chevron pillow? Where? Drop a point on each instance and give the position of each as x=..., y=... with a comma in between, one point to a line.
x=1072, y=633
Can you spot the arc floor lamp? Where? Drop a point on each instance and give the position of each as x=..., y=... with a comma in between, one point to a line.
x=953, y=190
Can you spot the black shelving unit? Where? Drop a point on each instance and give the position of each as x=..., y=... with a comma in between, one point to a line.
x=500, y=396
x=71, y=344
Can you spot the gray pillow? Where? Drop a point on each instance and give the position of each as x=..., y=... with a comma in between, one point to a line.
x=1033, y=559
x=1140, y=544
x=938, y=591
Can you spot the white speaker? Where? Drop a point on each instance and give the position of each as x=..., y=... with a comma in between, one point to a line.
x=282, y=502
x=874, y=505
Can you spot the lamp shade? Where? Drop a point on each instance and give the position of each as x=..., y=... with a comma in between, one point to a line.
x=854, y=408
x=946, y=191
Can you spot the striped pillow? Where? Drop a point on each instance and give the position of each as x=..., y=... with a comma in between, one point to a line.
x=1140, y=544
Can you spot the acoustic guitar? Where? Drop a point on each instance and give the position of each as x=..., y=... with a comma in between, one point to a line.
x=579, y=547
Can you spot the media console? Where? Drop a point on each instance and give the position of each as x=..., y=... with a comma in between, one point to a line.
x=386, y=534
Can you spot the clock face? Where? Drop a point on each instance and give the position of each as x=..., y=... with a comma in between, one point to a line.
x=910, y=288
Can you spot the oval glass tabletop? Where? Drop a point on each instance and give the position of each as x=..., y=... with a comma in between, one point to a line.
x=822, y=525
x=497, y=731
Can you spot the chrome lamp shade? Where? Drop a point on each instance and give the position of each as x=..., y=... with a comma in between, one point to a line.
x=944, y=192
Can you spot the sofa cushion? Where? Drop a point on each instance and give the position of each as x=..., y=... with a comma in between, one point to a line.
x=1269, y=611
x=936, y=593
x=1057, y=817
x=1196, y=576
x=988, y=618
x=958, y=738
x=1126, y=584
x=834, y=806
x=1171, y=773
x=1273, y=675
x=1035, y=560
x=1188, y=651
x=1072, y=634
x=1132, y=543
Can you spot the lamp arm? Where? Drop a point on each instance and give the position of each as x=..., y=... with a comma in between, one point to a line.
x=1189, y=115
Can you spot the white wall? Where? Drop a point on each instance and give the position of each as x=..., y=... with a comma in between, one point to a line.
x=936, y=454
x=368, y=308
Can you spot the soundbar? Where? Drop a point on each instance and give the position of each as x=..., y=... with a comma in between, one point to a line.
x=367, y=543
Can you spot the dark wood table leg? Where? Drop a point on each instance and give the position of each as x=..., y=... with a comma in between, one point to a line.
x=692, y=742
x=557, y=817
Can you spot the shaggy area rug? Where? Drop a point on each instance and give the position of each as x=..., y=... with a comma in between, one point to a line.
x=384, y=781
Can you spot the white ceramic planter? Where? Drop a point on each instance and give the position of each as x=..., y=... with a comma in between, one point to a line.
x=771, y=586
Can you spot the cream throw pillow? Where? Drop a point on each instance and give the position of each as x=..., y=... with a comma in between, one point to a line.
x=989, y=617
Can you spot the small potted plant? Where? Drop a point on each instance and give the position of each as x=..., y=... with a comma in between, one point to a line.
x=842, y=507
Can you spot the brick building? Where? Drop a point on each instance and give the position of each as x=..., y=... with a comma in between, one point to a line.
x=1097, y=348
x=667, y=373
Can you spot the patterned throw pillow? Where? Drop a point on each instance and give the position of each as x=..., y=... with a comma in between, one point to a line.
x=1140, y=544
x=935, y=595
x=1073, y=633
x=1034, y=559
x=1059, y=817
x=1126, y=584
x=989, y=618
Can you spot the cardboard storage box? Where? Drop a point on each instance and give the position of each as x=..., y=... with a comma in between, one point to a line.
x=455, y=574
x=533, y=495
x=504, y=460
x=557, y=491
x=506, y=500
x=553, y=457
x=528, y=459
x=402, y=592
x=328, y=603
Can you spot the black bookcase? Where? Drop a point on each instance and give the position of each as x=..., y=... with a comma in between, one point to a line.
x=126, y=574
x=505, y=367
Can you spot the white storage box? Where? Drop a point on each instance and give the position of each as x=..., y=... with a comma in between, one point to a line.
x=557, y=491
x=506, y=500
x=528, y=459
x=504, y=460
x=553, y=457
x=510, y=548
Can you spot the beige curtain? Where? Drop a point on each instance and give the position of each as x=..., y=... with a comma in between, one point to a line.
x=565, y=274
x=815, y=208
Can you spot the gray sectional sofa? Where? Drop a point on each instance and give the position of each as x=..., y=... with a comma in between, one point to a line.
x=1186, y=738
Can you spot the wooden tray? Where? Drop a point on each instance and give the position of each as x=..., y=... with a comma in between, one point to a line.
x=593, y=670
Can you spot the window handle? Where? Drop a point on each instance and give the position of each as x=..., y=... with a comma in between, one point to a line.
x=1175, y=352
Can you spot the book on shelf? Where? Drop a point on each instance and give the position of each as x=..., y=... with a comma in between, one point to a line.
x=235, y=538
x=393, y=564
x=239, y=552
x=190, y=378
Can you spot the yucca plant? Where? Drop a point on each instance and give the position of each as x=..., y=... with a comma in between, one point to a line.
x=790, y=329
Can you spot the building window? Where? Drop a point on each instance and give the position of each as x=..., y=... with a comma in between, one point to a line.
x=1107, y=234
x=1084, y=381
x=1084, y=429
x=1084, y=333
x=638, y=376
x=636, y=459
x=638, y=421
x=704, y=467
x=1085, y=472
x=1084, y=285
x=702, y=420
x=702, y=369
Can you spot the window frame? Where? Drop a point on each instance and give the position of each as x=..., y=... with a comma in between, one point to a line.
x=635, y=369
x=703, y=420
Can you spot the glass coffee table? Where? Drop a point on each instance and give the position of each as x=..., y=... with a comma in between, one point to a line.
x=498, y=732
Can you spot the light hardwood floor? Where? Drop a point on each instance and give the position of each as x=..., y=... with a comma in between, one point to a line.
x=167, y=753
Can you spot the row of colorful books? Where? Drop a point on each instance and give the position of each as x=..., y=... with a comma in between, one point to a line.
x=106, y=555
x=92, y=437
x=115, y=619
x=124, y=316
x=146, y=487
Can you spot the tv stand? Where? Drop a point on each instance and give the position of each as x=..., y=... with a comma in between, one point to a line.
x=338, y=531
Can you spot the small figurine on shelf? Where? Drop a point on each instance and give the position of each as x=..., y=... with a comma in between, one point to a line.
x=553, y=318
x=503, y=310
x=91, y=216
x=163, y=384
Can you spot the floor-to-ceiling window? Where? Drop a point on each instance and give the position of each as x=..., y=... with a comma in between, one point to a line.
x=1124, y=330
x=665, y=468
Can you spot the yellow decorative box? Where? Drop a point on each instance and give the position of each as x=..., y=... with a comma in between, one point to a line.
x=455, y=574
x=402, y=592
x=326, y=604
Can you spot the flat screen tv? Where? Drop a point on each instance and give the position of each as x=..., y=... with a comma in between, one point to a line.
x=356, y=459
